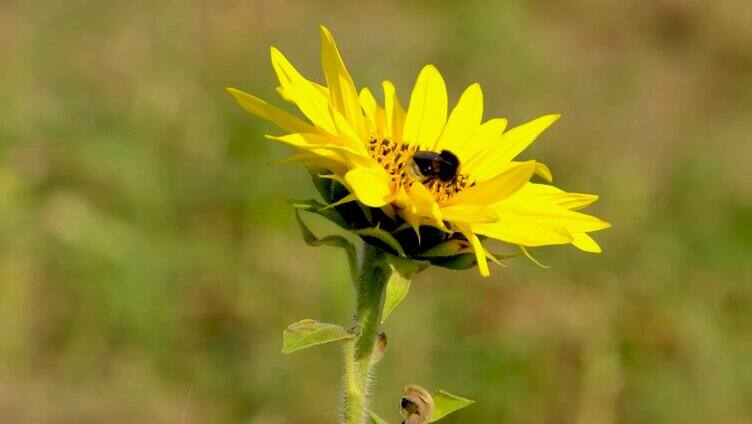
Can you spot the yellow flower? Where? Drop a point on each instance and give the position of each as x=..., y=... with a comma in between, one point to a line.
x=421, y=168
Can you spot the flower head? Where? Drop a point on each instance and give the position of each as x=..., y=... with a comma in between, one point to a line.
x=435, y=184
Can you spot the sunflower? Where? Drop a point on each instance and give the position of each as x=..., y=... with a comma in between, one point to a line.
x=419, y=169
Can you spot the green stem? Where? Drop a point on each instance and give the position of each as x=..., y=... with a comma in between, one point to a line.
x=372, y=278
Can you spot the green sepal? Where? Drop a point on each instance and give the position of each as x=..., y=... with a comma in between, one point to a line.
x=383, y=236
x=332, y=240
x=448, y=248
x=456, y=262
x=452, y=254
x=375, y=419
x=314, y=206
x=398, y=285
x=464, y=261
x=455, y=254
x=444, y=403
x=309, y=332
x=323, y=185
x=366, y=212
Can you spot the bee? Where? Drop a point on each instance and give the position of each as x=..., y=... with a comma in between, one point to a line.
x=430, y=165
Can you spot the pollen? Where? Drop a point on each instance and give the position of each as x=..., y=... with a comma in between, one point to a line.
x=396, y=158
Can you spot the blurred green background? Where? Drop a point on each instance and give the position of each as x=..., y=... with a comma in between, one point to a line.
x=147, y=268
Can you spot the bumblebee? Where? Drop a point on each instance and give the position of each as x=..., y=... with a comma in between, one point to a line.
x=430, y=165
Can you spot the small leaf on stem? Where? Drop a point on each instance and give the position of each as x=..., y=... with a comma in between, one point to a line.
x=445, y=403
x=309, y=332
x=399, y=283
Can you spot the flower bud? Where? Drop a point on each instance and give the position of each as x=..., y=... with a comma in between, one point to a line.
x=416, y=405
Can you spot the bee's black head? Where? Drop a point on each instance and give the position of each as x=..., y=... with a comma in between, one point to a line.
x=450, y=167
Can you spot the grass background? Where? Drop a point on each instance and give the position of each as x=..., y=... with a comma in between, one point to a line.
x=147, y=268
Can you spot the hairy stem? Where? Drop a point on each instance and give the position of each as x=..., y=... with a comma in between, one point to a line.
x=372, y=278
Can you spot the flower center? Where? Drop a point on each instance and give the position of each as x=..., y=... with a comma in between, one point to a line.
x=397, y=159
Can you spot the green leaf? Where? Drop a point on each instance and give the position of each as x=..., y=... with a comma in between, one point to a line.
x=375, y=419
x=399, y=282
x=382, y=236
x=309, y=332
x=333, y=240
x=445, y=403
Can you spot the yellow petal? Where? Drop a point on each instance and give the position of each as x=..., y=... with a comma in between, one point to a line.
x=299, y=158
x=519, y=229
x=407, y=210
x=498, y=188
x=530, y=222
x=372, y=187
x=368, y=103
x=285, y=121
x=545, y=192
x=380, y=121
x=286, y=96
x=468, y=214
x=548, y=212
x=311, y=101
x=418, y=207
x=315, y=158
x=342, y=91
x=463, y=122
x=424, y=204
x=489, y=161
x=586, y=243
x=311, y=141
x=341, y=151
x=347, y=133
x=542, y=171
x=394, y=113
x=427, y=112
x=480, y=251
x=486, y=134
